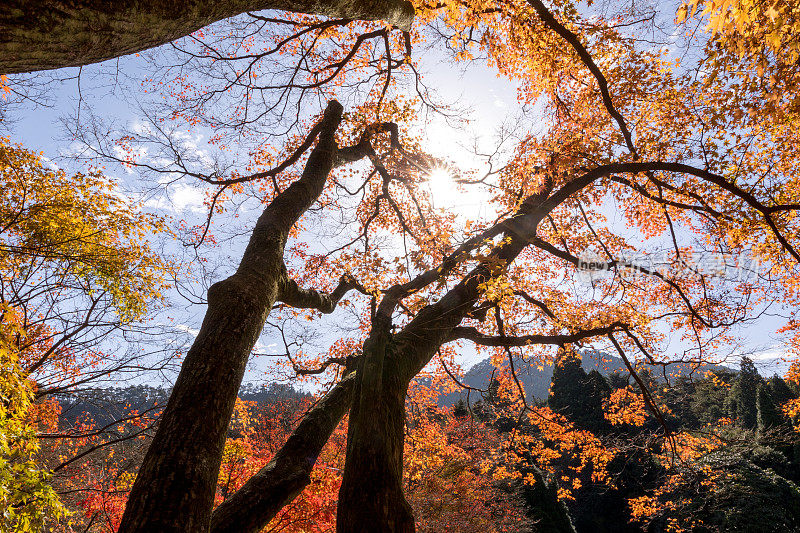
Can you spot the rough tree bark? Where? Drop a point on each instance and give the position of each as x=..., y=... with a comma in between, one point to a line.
x=371, y=497
x=49, y=34
x=174, y=489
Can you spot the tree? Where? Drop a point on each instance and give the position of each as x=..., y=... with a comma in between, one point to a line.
x=743, y=396
x=779, y=390
x=78, y=269
x=683, y=157
x=447, y=473
x=566, y=388
x=460, y=409
x=28, y=500
x=545, y=509
x=577, y=395
x=44, y=34
x=184, y=457
x=371, y=487
x=739, y=495
x=769, y=417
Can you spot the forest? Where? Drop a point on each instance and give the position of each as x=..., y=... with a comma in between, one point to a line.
x=395, y=266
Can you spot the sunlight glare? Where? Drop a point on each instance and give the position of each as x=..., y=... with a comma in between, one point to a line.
x=442, y=187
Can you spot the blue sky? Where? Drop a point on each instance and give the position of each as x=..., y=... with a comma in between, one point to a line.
x=492, y=101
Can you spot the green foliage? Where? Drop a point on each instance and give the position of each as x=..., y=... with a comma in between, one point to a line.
x=566, y=388
x=741, y=401
x=748, y=485
x=779, y=390
x=732, y=494
x=707, y=402
x=769, y=417
x=544, y=508
x=595, y=390
x=460, y=409
x=577, y=395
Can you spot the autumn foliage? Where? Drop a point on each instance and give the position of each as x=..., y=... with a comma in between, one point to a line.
x=657, y=143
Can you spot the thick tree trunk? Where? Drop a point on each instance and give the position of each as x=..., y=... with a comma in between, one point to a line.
x=252, y=507
x=174, y=489
x=48, y=34
x=371, y=497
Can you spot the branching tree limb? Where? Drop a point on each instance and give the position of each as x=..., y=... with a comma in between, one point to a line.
x=174, y=490
x=473, y=335
x=291, y=294
x=49, y=34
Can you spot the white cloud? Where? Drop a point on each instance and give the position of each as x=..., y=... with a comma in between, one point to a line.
x=178, y=198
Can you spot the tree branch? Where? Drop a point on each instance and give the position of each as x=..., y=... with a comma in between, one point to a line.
x=472, y=334
x=174, y=489
x=293, y=295
x=49, y=34
x=252, y=507
x=550, y=21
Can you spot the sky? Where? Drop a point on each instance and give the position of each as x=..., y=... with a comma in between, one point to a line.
x=492, y=101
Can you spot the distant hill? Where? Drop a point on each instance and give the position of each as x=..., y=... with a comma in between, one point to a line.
x=537, y=382
x=107, y=405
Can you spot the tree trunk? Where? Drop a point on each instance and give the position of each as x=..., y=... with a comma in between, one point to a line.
x=174, y=489
x=371, y=496
x=48, y=34
x=252, y=507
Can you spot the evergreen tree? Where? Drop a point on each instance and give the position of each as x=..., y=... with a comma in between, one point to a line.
x=744, y=497
x=492, y=394
x=741, y=401
x=577, y=395
x=481, y=412
x=567, y=385
x=618, y=380
x=596, y=390
x=460, y=409
x=542, y=502
x=768, y=414
x=709, y=401
x=779, y=390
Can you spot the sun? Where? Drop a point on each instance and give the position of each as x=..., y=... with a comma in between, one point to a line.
x=466, y=203
x=442, y=187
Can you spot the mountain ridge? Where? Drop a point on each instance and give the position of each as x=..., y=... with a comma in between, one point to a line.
x=536, y=382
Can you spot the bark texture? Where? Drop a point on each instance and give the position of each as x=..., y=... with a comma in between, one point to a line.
x=49, y=34
x=174, y=489
x=371, y=498
x=252, y=507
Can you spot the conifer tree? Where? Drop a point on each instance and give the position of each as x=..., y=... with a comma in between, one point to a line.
x=768, y=414
x=741, y=401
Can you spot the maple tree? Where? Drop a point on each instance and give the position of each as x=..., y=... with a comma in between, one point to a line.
x=554, y=180
x=689, y=145
x=28, y=500
x=76, y=268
